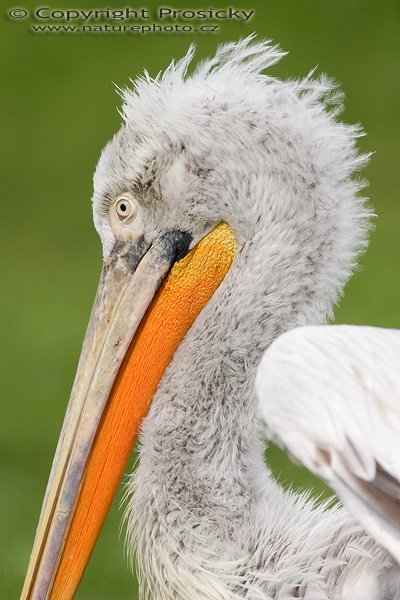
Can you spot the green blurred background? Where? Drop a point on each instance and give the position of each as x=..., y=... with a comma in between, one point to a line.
x=59, y=108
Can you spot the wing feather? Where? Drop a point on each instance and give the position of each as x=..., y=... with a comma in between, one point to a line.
x=330, y=396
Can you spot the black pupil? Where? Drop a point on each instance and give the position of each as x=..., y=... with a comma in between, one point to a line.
x=122, y=207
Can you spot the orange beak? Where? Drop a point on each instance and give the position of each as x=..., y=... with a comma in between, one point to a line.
x=135, y=327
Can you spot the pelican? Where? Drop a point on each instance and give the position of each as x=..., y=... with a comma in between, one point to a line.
x=228, y=214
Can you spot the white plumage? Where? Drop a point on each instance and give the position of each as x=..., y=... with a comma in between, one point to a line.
x=331, y=397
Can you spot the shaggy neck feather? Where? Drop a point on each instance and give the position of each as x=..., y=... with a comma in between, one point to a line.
x=202, y=462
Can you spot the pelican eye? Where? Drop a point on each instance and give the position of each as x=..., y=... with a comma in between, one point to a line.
x=125, y=208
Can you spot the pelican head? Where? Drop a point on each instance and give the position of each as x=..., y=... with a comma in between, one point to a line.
x=227, y=213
